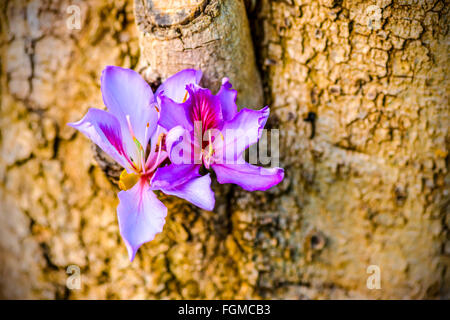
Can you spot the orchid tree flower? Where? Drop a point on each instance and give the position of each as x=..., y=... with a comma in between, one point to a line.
x=128, y=132
x=207, y=129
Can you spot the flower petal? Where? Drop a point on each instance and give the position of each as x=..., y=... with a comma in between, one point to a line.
x=182, y=147
x=175, y=86
x=184, y=181
x=174, y=175
x=204, y=108
x=227, y=98
x=242, y=131
x=174, y=114
x=126, y=93
x=248, y=176
x=197, y=191
x=104, y=130
x=141, y=216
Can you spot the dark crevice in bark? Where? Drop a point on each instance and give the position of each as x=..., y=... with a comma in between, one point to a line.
x=257, y=34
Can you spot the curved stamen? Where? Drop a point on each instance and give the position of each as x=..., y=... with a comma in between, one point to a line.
x=156, y=163
x=147, y=163
x=146, y=142
x=185, y=96
x=141, y=151
x=130, y=128
x=211, y=150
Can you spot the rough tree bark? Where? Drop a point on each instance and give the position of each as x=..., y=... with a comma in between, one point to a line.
x=369, y=187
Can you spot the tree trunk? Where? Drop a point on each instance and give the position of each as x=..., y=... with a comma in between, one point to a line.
x=212, y=36
x=358, y=90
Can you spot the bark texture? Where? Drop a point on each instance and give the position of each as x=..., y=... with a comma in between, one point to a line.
x=369, y=187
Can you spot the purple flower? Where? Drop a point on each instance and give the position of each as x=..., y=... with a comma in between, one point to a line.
x=182, y=122
x=207, y=129
x=128, y=132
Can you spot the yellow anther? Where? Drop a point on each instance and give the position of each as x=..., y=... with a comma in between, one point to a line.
x=127, y=180
x=185, y=96
x=159, y=142
x=211, y=150
x=160, y=137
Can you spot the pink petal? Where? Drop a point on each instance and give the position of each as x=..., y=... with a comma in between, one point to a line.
x=104, y=130
x=175, y=86
x=184, y=181
x=227, y=97
x=125, y=92
x=239, y=133
x=247, y=176
x=141, y=216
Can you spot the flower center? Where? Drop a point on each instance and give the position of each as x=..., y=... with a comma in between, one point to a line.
x=139, y=163
x=208, y=150
x=146, y=162
x=203, y=112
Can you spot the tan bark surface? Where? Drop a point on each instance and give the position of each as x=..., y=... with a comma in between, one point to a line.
x=212, y=36
x=369, y=188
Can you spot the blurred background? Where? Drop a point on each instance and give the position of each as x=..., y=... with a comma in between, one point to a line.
x=359, y=91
